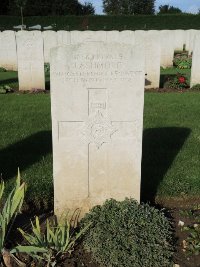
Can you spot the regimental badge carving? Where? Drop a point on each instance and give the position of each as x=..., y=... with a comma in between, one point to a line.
x=98, y=129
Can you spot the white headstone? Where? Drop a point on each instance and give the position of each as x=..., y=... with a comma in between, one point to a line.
x=140, y=37
x=112, y=36
x=195, y=77
x=8, y=53
x=30, y=60
x=127, y=37
x=179, y=37
x=152, y=59
x=167, y=48
x=63, y=37
x=87, y=36
x=50, y=41
x=190, y=37
x=97, y=93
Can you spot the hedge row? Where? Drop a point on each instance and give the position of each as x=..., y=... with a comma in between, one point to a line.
x=100, y=22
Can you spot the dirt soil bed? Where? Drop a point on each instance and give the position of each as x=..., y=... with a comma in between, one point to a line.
x=187, y=212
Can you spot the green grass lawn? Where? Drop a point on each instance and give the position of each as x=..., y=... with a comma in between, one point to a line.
x=171, y=141
x=25, y=142
x=9, y=78
x=171, y=153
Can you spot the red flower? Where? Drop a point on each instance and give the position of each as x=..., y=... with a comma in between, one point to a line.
x=181, y=79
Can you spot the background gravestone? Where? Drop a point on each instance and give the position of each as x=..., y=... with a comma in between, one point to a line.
x=63, y=37
x=167, y=48
x=86, y=36
x=195, y=77
x=152, y=59
x=97, y=94
x=179, y=37
x=8, y=53
x=112, y=36
x=50, y=41
x=30, y=60
x=190, y=38
x=127, y=37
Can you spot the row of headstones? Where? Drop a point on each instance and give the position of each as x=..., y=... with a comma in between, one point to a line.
x=27, y=51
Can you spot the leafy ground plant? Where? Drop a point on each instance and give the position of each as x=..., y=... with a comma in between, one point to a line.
x=182, y=61
x=192, y=242
x=8, y=214
x=5, y=89
x=128, y=234
x=52, y=245
x=179, y=82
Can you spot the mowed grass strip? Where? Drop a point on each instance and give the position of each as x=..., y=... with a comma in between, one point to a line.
x=26, y=142
x=171, y=141
x=171, y=145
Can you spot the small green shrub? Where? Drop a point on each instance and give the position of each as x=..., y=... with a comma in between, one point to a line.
x=128, y=234
x=182, y=61
x=196, y=87
x=178, y=82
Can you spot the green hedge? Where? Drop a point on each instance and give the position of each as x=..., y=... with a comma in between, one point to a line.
x=100, y=22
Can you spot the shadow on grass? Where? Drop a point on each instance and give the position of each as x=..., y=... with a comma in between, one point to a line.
x=160, y=147
x=24, y=153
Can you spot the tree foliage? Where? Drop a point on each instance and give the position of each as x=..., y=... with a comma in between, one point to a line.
x=46, y=7
x=166, y=9
x=129, y=7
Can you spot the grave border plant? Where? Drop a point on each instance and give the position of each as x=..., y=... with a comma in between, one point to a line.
x=54, y=244
x=8, y=214
x=178, y=82
x=128, y=234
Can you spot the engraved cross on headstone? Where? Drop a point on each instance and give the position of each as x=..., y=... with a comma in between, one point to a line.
x=98, y=128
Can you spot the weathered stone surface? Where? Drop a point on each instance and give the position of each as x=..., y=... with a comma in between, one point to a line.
x=152, y=59
x=50, y=41
x=30, y=60
x=190, y=36
x=87, y=36
x=63, y=37
x=97, y=93
x=127, y=37
x=112, y=36
x=195, y=77
x=179, y=38
x=8, y=53
x=167, y=48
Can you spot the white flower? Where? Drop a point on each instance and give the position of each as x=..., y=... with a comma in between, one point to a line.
x=196, y=225
x=181, y=223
